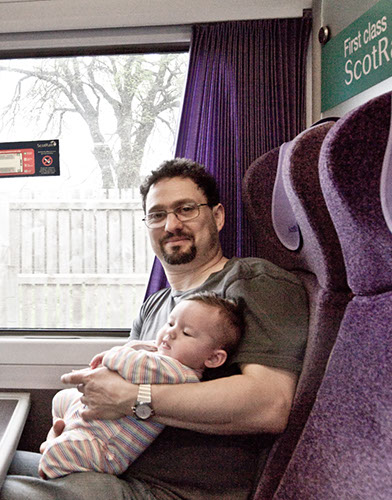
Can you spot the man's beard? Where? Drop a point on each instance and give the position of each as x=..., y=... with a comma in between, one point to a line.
x=177, y=256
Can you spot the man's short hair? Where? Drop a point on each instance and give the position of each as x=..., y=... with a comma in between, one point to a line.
x=182, y=167
x=233, y=322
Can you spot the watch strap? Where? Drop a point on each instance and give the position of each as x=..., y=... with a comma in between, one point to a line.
x=144, y=393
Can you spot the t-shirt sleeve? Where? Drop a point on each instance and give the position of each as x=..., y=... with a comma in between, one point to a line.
x=138, y=323
x=276, y=316
x=136, y=328
x=152, y=315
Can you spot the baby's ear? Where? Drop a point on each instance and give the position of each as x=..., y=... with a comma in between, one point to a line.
x=217, y=358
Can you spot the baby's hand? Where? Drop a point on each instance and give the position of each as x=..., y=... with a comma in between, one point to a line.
x=97, y=360
x=41, y=473
x=55, y=431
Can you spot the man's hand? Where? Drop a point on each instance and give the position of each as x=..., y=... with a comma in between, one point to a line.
x=105, y=393
x=55, y=431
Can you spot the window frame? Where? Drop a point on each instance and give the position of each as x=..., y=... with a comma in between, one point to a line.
x=27, y=359
x=35, y=358
x=101, y=41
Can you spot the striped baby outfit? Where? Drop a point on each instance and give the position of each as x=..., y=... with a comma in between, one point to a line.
x=109, y=446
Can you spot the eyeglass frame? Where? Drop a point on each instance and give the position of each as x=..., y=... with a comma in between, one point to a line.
x=197, y=205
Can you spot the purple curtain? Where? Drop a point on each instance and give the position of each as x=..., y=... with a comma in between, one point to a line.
x=245, y=95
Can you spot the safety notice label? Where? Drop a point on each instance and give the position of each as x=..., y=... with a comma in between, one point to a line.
x=33, y=158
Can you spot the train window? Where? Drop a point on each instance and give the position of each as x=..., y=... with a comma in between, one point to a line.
x=73, y=247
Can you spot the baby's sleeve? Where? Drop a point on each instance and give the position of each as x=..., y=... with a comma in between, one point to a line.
x=63, y=401
x=143, y=367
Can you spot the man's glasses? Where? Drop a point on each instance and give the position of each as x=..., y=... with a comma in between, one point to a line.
x=183, y=213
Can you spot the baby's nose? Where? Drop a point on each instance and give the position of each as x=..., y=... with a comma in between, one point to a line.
x=172, y=333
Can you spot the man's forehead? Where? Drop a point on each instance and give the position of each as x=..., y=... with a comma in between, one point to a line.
x=169, y=190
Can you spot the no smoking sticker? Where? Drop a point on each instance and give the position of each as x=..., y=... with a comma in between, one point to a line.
x=47, y=160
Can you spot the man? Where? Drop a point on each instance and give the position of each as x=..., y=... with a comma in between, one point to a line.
x=219, y=430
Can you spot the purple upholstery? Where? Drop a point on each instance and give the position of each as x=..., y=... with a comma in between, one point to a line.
x=258, y=185
x=345, y=450
x=386, y=181
x=320, y=253
x=318, y=262
x=351, y=159
x=284, y=220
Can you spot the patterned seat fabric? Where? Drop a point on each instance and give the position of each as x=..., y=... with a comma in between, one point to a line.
x=345, y=450
x=318, y=261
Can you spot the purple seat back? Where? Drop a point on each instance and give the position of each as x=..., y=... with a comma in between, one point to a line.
x=320, y=252
x=351, y=164
x=345, y=450
x=318, y=262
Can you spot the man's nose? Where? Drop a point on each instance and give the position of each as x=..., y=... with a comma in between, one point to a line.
x=172, y=223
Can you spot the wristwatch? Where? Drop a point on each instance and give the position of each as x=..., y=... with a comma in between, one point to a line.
x=143, y=409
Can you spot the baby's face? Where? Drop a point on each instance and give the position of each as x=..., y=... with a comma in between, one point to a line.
x=189, y=334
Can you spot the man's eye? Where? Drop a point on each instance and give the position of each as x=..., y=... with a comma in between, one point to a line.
x=187, y=209
x=156, y=216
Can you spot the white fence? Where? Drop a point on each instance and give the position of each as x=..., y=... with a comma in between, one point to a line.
x=79, y=260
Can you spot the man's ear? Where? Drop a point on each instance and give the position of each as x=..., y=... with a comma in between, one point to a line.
x=219, y=215
x=217, y=358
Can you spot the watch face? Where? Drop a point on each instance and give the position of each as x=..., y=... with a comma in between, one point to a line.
x=143, y=411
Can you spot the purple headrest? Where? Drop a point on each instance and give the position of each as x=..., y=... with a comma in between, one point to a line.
x=386, y=181
x=320, y=250
x=351, y=163
x=283, y=217
x=258, y=187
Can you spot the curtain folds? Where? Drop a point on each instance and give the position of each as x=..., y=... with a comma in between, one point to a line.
x=245, y=95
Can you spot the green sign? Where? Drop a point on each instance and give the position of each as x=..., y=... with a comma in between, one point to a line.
x=358, y=57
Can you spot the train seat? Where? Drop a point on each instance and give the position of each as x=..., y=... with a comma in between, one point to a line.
x=345, y=450
x=315, y=256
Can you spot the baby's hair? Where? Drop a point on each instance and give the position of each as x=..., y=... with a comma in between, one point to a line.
x=233, y=318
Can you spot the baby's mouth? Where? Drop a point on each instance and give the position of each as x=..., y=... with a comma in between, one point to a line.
x=165, y=345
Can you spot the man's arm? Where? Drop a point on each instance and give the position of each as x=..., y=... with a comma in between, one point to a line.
x=258, y=400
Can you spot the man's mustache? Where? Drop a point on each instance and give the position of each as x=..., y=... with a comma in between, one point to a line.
x=179, y=234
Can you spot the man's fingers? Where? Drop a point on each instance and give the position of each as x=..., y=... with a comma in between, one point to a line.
x=74, y=378
x=88, y=414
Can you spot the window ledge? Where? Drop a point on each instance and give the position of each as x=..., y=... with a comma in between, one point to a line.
x=38, y=363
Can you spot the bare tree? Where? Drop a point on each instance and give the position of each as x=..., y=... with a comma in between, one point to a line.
x=136, y=91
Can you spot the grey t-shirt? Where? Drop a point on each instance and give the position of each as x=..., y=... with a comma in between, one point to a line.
x=190, y=465
x=275, y=310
